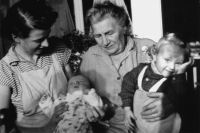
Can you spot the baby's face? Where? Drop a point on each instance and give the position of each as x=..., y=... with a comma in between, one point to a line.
x=77, y=83
x=168, y=60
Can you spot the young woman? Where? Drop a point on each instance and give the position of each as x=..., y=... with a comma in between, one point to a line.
x=33, y=66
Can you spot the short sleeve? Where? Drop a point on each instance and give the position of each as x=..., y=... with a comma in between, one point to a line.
x=63, y=53
x=6, y=77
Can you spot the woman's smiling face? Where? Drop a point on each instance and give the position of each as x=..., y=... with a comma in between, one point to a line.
x=109, y=35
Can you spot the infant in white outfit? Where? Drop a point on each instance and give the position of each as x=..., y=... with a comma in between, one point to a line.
x=79, y=94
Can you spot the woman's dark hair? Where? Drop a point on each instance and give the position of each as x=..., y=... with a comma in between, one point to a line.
x=106, y=9
x=27, y=15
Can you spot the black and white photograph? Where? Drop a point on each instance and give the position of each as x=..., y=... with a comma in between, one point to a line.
x=99, y=66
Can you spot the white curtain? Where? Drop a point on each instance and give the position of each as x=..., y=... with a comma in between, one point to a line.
x=64, y=22
x=119, y=3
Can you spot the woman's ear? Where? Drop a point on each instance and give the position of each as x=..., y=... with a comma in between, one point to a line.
x=15, y=38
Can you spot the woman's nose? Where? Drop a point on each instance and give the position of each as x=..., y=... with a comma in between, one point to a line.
x=45, y=43
x=105, y=40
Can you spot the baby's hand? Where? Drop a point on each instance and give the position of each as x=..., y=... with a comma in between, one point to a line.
x=129, y=119
x=183, y=68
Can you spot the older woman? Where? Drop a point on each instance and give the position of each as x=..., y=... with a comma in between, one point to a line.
x=33, y=67
x=115, y=54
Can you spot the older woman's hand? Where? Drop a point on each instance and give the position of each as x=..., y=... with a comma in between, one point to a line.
x=94, y=113
x=159, y=109
x=57, y=116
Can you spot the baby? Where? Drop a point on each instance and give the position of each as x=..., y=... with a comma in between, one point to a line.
x=79, y=95
x=165, y=73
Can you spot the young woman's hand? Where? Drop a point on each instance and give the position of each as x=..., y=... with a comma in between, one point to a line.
x=129, y=118
x=56, y=117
